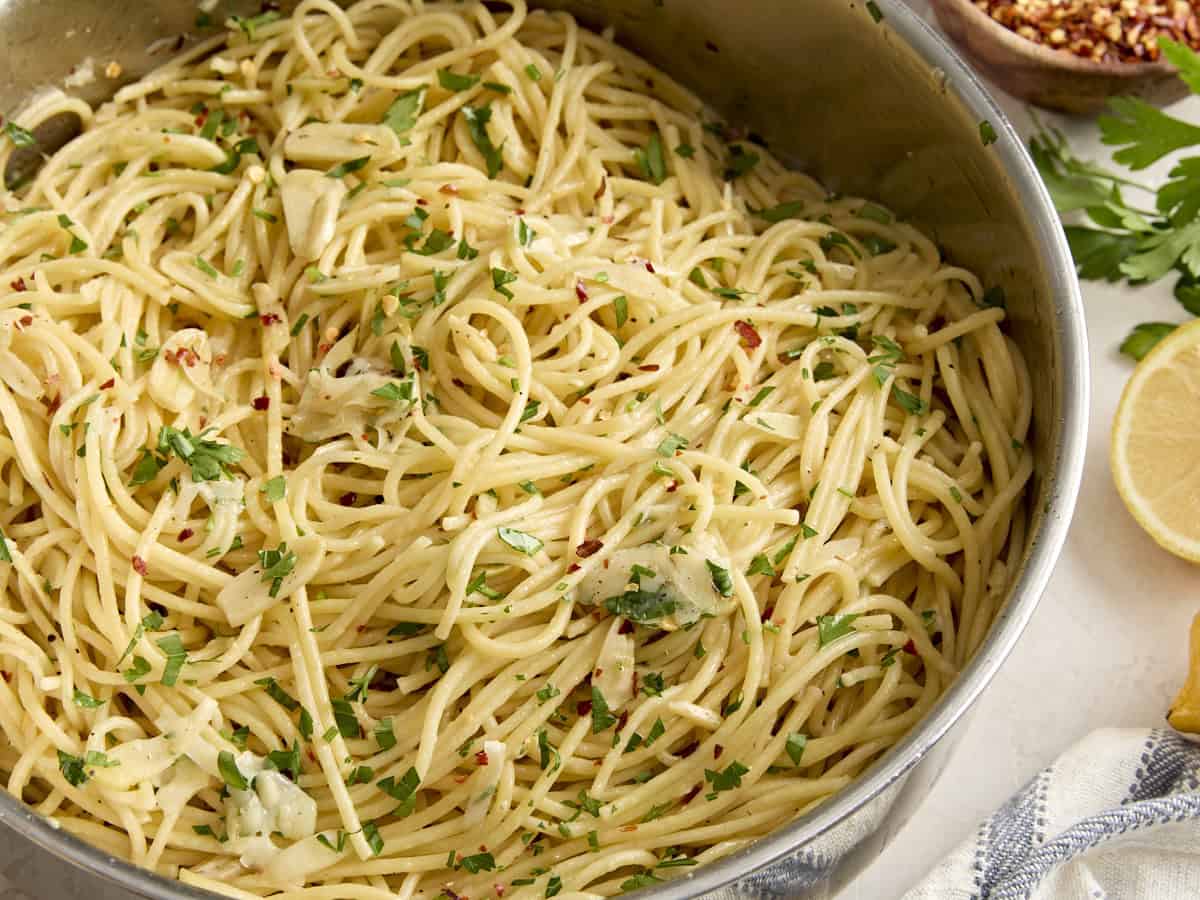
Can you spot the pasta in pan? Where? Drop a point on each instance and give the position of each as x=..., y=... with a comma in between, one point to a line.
x=441, y=459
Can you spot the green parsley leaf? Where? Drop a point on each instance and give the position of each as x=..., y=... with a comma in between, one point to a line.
x=344, y=718
x=452, y=81
x=19, y=136
x=910, y=402
x=671, y=445
x=727, y=779
x=721, y=580
x=987, y=132
x=278, y=694
x=795, y=747
x=275, y=489
x=402, y=114
x=85, y=701
x=373, y=837
x=760, y=565
x=741, y=161
x=641, y=606
x=602, y=719
x=621, y=309
x=782, y=211
x=172, y=646
x=230, y=773
x=385, y=736
x=208, y=460
x=341, y=170
x=1145, y=133
x=650, y=161
x=477, y=119
x=500, y=278
x=1144, y=338
x=832, y=627
x=147, y=469
x=519, y=540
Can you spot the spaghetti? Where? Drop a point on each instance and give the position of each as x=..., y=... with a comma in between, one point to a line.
x=439, y=459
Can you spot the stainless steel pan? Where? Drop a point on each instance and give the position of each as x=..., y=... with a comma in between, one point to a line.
x=884, y=109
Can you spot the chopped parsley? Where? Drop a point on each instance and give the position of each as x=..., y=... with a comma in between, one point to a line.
x=519, y=540
x=172, y=647
x=275, y=489
x=721, y=580
x=795, y=747
x=385, y=736
x=402, y=114
x=85, y=701
x=671, y=445
x=832, y=627
x=602, y=719
x=642, y=606
x=650, y=161
x=501, y=278
x=477, y=119
x=230, y=773
x=726, y=780
x=276, y=565
x=452, y=81
x=342, y=169
x=208, y=460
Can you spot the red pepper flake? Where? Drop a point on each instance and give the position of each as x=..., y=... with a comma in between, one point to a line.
x=421, y=201
x=626, y=827
x=269, y=318
x=649, y=367
x=26, y=321
x=672, y=487
x=448, y=189
x=185, y=356
x=7, y=676
x=498, y=888
x=910, y=647
x=622, y=721
x=185, y=534
x=603, y=187
x=261, y=403
x=481, y=758
x=139, y=565
x=573, y=567
x=581, y=291
x=587, y=548
x=626, y=628
x=650, y=267
x=108, y=384
x=53, y=405
x=583, y=708
x=608, y=220
x=750, y=337
x=689, y=749
x=19, y=285
x=717, y=751
x=348, y=498
x=690, y=795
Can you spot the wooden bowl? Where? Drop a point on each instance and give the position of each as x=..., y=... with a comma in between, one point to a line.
x=1054, y=79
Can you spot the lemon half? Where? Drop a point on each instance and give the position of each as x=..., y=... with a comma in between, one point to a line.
x=1155, y=454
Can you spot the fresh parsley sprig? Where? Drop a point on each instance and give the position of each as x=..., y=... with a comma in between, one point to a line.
x=1114, y=238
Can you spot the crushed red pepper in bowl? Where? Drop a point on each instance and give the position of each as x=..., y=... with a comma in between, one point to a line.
x=1099, y=30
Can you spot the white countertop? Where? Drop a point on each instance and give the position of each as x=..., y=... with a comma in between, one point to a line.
x=1106, y=647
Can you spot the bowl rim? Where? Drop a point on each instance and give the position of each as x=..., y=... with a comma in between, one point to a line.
x=1062, y=60
x=1063, y=487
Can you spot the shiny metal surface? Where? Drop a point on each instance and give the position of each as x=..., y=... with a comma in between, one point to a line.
x=881, y=109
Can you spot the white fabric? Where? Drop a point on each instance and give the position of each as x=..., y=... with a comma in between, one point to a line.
x=1115, y=817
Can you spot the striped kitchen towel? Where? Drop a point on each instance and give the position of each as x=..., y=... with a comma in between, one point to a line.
x=1116, y=817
